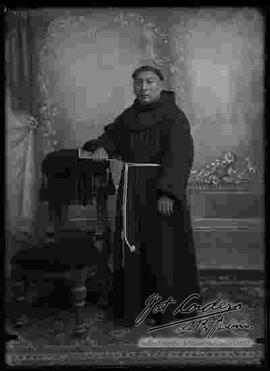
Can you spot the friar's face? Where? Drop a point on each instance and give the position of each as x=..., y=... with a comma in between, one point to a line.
x=147, y=87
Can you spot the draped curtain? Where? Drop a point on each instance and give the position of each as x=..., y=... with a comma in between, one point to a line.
x=19, y=61
x=21, y=180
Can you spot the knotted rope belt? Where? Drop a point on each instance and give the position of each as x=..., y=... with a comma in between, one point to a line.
x=127, y=165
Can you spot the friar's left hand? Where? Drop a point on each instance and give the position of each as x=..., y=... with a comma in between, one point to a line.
x=165, y=205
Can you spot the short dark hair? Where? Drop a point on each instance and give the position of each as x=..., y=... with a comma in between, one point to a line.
x=147, y=68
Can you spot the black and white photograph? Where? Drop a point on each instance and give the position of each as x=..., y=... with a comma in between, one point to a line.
x=134, y=186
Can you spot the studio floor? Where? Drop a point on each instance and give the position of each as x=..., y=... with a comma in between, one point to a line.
x=47, y=336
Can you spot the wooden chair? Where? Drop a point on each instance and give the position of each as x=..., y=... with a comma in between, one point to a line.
x=68, y=180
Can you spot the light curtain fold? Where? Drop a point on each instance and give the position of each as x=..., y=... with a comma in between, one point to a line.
x=21, y=173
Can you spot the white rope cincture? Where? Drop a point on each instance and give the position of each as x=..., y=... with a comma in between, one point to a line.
x=124, y=209
x=124, y=205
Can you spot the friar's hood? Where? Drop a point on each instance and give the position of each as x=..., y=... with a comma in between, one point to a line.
x=142, y=116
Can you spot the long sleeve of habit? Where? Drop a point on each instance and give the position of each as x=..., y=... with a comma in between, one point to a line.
x=177, y=160
x=108, y=140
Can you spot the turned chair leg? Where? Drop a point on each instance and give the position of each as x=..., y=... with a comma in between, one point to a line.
x=40, y=225
x=79, y=294
x=59, y=218
x=19, y=288
x=104, y=272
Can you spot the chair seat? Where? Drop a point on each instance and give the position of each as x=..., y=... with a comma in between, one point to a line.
x=60, y=256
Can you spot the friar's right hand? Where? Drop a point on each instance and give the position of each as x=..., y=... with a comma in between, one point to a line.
x=100, y=154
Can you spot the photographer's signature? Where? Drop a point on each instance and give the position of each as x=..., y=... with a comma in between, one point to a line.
x=200, y=322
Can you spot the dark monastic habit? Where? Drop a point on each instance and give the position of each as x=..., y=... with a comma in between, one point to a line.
x=152, y=253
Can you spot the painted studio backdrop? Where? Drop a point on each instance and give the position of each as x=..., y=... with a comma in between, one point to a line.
x=69, y=74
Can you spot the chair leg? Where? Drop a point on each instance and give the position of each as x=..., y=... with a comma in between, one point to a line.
x=20, y=300
x=40, y=226
x=104, y=275
x=59, y=217
x=105, y=290
x=79, y=294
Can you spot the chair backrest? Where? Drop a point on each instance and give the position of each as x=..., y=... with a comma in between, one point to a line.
x=67, y=179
